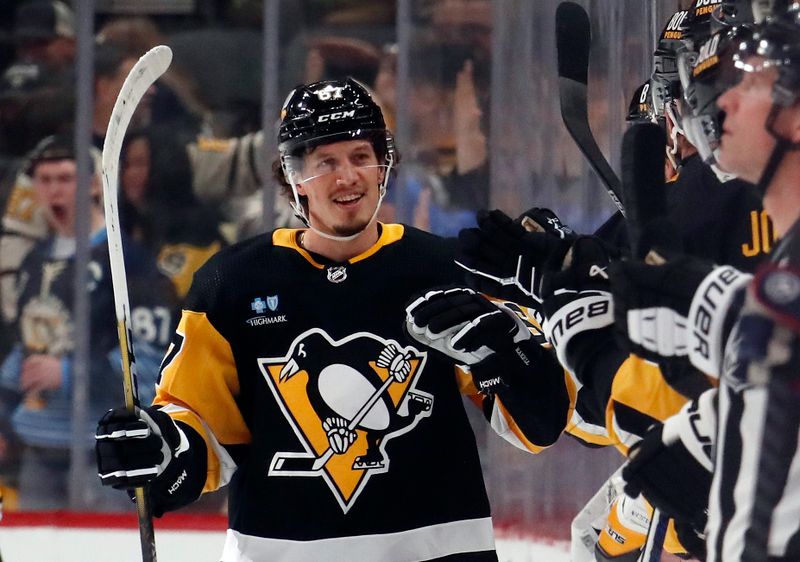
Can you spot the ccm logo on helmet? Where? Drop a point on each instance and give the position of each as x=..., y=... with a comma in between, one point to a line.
x=336, y=116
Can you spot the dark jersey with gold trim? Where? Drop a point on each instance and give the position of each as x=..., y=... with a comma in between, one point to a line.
x=325, y=419
x=721, y=222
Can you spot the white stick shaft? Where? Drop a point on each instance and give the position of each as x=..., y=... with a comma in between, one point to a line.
x=141, y=77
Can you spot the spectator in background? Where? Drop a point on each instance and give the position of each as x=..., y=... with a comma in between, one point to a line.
x=447, y=177
x=39, y=369
x=34, y=103
x=44, y=33
x=176, y=98
x=159, y=208
x=111, y=66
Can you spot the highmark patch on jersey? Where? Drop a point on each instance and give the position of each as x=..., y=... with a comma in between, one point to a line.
x=345, y=400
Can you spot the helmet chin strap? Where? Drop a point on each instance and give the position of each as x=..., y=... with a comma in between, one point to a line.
x=672, y=148
x=782, y=146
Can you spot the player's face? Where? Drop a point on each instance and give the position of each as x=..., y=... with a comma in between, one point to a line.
x=746, y=145
x=341, y=185
x=56, y=183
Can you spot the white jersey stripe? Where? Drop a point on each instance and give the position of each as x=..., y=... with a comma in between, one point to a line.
x=425, y=543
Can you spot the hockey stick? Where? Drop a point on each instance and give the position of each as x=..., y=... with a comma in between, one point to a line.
x=292, y=463
x=144, y=73
x=573, y=42
x=656, y=534
x=643, y=148
x=643, y=190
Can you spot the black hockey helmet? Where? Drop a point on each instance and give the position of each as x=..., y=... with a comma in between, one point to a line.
x=326, y=112
x=330, y=111
x=710, y=74
x=640, y=109
x=733, y=12
x=777, y=44
x=666, y=82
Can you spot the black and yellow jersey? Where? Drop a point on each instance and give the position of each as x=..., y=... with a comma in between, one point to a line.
x=283, y=363
x=723, y=222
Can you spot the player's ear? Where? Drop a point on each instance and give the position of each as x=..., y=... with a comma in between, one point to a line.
x=301, y=189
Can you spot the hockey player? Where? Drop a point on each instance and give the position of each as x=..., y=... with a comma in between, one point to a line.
x=752, y=514
x=290, y=378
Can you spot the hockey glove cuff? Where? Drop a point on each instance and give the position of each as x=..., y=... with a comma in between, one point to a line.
x=578, y=304
x=713, y=309
x=147, y=446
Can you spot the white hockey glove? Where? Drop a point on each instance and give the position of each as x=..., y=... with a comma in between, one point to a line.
x=676, y=310
x=148, y=447
x=491, y=342
x=578, y=306
x=469, y=328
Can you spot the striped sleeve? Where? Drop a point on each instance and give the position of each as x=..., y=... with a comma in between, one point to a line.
x=199, y=385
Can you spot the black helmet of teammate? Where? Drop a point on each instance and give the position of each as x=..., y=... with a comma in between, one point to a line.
x=666, y=82
x=330, y=111
x=640, y=109
x=732, y=13
x=710, y=74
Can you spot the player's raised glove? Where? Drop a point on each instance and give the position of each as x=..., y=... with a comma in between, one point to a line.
x=507, y=260
x=493, y=343
x=577, y=304
x=676, y=309
x=470, y=329
x=147, y=446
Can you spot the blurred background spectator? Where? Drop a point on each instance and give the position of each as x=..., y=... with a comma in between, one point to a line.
x=38, y=371
x=159, y=209
x=44, y=33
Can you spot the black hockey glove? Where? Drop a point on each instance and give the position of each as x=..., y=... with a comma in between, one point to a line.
x=676, y=310
x=506, y=260
x=577, y=304
x=470, y=329
x=148, y=447
x=672, y=467
x=494, y=344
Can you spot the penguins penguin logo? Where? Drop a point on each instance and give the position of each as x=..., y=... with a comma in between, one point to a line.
x=345, y=401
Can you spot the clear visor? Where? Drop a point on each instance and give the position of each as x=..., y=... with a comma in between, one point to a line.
x=337, y=157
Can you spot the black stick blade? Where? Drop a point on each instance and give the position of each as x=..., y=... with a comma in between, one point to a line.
x=573, y=41
x=643, y=157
